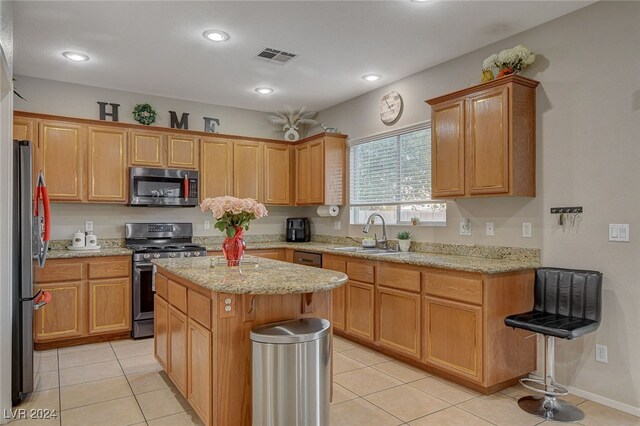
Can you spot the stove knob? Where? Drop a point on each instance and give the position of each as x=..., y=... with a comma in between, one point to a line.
x=146, y=256
x=196, y=253
x=156, y=256
x=172, y=255
x=187, y=254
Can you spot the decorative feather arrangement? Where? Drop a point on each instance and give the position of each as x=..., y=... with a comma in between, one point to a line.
x=291, y=120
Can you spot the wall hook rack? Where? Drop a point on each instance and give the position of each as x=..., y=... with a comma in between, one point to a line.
x=570, y=210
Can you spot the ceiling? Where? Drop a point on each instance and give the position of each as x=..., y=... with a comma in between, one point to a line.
x=157, y=47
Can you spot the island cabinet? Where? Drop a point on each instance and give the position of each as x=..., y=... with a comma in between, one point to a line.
x=90, y=301
x=320, y=169
x=484, y=140
x=450, y=323
x=201, y=336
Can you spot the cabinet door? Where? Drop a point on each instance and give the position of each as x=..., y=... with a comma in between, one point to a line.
x=316, y=172
x=338, y=295
x=107, y=164
x=247, y=169
x=360, y=313
x=182, y=152
x=216, y=168
x=274, y=254
x=454, y=337
x=62, y=157
x=398, y=316
x=178, y=349
x=62, y=317
x=447, y=149
x=277, y=180
x=199, y=370
x=109, y=305
x=146, y=149
x=24, y=129
x=302, y=174
x=161, y=331
x=488, y=142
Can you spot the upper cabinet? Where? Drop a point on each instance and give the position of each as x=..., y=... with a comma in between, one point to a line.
x=24, y=129
x=146, y=148
x=182, y=152
x=277, y=173
x=216, y=167
x=247, y=169
x=320, y=170
x=484, y=141
x=62, y=158
x=107, y=164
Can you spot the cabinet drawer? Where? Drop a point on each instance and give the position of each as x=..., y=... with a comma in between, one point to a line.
x=178, y=296
x=162, y=286
x=402, y=279
x=58, y=271
x=109, y=269
x=334, y=265
x=452, y=287
x=360, y=272
x=199, y=308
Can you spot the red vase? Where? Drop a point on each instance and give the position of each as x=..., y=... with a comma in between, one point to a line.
x=233, y=248
x=505, y=72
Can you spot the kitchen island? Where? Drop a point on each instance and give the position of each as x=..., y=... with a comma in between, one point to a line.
x=203, y=316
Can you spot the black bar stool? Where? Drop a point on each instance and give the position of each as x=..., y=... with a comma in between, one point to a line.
x=568, y=304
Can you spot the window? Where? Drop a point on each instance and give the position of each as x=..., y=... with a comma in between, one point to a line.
x=391, y=175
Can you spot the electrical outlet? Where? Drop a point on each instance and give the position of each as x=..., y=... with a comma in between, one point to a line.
x=88, y=226
x=465, y=227
x=207, y=224
x=490, y=229
x=619, y=232
x=601, y=353
x=526, y=230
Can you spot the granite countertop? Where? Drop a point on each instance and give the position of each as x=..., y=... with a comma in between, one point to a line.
x=105, y=251
x=265, y=277
x=433, y=260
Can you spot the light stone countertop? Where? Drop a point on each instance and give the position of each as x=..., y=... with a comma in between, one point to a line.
x=265, y=277
x=432, y=260
x=105, y=251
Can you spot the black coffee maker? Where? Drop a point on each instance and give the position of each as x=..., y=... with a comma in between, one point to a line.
x=298, y=230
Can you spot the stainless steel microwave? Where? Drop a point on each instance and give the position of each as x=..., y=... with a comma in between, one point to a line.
x=163, y=187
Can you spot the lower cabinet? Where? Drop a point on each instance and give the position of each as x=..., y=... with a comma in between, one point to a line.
x=399, y=322
x=360, y=312
x=63, y=317
x=199, y=369
x=338, y=295
x=177, y=326
x=89, y=297
x=161, y=331
x=275, y=254
x=453, y=339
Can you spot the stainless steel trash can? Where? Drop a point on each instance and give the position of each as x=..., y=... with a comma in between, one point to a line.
x=291, y=373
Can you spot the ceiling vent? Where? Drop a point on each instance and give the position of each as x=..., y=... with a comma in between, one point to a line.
x=274, y=56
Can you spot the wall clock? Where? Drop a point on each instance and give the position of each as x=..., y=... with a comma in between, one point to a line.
x=391, y=108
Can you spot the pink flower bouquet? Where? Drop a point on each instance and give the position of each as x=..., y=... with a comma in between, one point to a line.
x=233, y=214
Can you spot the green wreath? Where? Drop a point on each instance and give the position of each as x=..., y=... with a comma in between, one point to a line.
x=144, y=114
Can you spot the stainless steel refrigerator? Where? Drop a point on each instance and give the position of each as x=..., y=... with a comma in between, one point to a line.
x=30, y=244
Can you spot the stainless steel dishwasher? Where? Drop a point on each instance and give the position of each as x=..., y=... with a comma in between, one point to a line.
x=307, y=258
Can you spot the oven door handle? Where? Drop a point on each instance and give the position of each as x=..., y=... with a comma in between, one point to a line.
x=153, y=278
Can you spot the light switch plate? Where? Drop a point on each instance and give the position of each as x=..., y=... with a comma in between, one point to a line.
x=207, y=224
x=619, y=232
x=88, y=226
x=490, y=232
x=526, y=230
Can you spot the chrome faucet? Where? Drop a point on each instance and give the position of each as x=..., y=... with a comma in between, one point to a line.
x=379, y=243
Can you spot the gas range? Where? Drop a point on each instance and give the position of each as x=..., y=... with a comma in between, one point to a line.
x=154, y=241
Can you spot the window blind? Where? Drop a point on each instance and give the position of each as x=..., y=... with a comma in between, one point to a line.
x=391, y=170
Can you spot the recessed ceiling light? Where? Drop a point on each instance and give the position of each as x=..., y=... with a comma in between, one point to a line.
x=264, y=90
x=371, y=77
x=215, y=35
x=419, y=1
x=75, y=56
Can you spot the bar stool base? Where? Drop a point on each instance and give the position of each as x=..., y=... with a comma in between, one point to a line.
x=551, y=408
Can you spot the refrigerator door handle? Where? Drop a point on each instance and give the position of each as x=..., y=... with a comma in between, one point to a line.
x=43, y=226
x=29, y=299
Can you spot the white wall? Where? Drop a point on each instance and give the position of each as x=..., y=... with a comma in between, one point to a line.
x=6, y=193
x=588, y=154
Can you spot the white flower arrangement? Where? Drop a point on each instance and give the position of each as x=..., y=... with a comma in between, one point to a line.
x=291, y=120
x=509, y=61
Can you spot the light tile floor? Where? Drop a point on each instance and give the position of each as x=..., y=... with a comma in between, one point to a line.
x=120, y=383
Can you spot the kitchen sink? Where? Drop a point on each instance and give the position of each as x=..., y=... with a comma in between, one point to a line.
x=371, y=251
